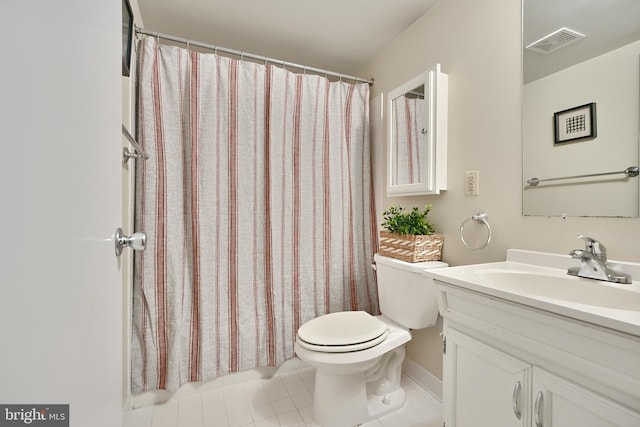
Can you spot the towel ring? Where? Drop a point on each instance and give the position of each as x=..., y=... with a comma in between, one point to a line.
x=480, y=218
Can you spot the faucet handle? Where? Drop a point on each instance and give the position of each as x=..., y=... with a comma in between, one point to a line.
x=594, y=247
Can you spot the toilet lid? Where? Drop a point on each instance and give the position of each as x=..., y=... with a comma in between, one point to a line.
x=342, y=331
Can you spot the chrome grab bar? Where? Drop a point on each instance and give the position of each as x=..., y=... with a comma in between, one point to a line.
x=137, y=154
x=630, y=172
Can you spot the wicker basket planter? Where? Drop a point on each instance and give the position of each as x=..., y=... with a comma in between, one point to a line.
x=411, y=248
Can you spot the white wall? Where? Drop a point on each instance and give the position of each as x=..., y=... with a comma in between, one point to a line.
x=478, y=44
x=60, y=296
x=612, y=82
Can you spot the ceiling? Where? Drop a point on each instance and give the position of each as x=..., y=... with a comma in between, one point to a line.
x=336, y=35
x=342, y=35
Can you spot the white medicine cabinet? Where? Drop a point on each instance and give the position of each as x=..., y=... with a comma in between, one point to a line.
x=417, y=135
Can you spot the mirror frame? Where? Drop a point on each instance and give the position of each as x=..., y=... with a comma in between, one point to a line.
x=435, y=177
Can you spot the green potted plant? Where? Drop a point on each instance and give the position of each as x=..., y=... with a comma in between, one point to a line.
x=409, y=236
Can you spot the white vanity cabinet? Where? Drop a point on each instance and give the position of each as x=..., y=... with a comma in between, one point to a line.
x=487, y=387
x=483, y=386
x=558, y=402
x=508, y=364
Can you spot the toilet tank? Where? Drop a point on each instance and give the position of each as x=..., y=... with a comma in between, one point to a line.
x=405, y=295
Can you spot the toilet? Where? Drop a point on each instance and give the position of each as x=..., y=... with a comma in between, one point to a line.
x=358, y=357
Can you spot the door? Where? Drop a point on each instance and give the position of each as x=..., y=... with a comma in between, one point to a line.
x=60, y=202
x=560, y=403
x=483, y=386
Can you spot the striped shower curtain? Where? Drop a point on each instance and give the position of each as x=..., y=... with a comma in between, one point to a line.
x=410, y=146
x=257, y=203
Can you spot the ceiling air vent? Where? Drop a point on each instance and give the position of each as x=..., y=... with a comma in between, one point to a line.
x=555, y=40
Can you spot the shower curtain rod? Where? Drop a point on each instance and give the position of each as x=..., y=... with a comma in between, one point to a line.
x=251, y=56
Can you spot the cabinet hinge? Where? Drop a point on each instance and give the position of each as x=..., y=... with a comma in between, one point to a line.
x=444, y=342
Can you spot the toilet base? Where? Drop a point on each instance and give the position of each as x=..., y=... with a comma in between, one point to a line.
x=383, y=405
x=342, y=401
x=346, y=400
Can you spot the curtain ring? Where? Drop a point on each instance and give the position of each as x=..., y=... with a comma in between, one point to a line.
x=241, y=56
x=188, y=42
x=137, y=32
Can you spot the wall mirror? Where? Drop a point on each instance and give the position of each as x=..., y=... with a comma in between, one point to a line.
x=417, y=135
x=579, y=57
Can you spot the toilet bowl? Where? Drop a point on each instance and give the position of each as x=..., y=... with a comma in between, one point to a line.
x=358, y=357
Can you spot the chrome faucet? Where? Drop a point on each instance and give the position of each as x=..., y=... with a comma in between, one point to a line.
x=593, y=263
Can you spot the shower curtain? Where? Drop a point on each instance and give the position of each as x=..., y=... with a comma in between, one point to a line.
x=258, y=205
x=410, y=114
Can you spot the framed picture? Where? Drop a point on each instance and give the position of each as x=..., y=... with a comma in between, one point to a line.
x=127, y=37
x=575, y=123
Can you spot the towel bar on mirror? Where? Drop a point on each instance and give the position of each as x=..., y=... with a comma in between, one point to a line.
x=630, y=172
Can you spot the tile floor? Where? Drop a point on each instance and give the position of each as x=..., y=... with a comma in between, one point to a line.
x=281, y=401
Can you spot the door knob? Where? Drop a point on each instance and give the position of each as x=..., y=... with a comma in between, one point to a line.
x=137, y=241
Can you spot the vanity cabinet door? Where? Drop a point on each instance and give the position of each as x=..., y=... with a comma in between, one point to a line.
x=483, y=386
x=559, y=403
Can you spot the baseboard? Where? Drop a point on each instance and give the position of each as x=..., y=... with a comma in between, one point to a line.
x=423, y=377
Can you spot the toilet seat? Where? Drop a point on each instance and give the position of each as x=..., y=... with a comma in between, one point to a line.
x=342, y=332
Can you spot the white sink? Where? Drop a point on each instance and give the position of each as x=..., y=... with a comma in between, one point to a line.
x=537, y=280
x=563, y=288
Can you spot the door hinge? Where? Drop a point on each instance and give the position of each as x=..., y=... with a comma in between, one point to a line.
x=444, y=342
